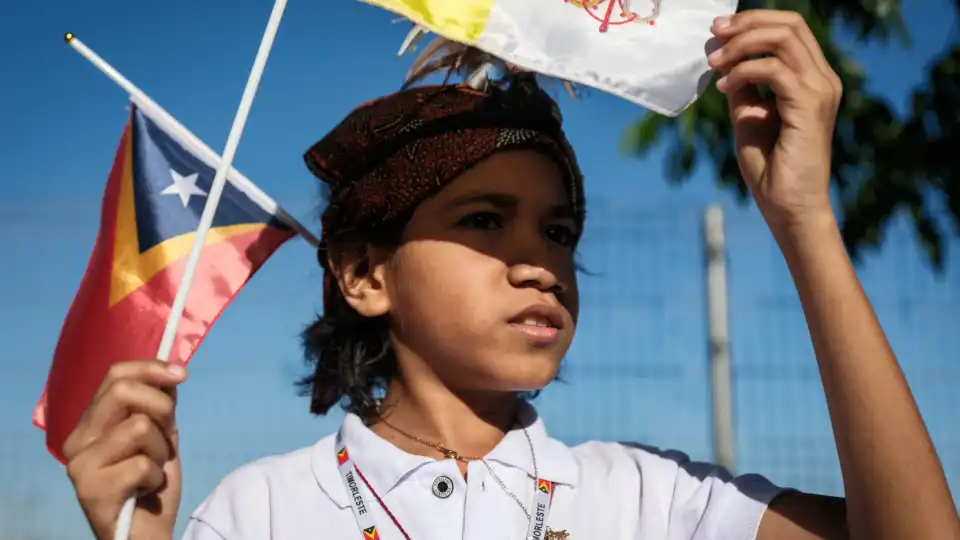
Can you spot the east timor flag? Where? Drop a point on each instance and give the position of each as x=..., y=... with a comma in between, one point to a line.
x=154, y=196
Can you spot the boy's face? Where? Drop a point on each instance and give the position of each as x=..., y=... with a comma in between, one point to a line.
x=483, y=289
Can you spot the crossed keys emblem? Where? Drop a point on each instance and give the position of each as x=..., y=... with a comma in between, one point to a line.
x=604, y=11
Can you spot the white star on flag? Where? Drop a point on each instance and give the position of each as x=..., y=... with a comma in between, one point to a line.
x=184, y=187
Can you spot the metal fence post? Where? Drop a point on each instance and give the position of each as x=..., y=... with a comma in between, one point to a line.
x=719, y=341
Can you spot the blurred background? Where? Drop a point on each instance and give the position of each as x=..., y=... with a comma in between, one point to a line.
x=640, y=368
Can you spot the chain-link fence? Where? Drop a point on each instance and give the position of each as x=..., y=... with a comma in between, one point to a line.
x=640, y=365
x=638, y=371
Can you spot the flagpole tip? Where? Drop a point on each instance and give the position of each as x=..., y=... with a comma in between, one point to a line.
x=68, y=37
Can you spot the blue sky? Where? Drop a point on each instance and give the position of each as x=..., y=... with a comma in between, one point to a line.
x=637, y=370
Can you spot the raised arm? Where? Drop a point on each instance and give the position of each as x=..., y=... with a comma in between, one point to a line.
x=895, y=486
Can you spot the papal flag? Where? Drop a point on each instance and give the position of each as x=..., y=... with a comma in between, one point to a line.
x=651, y=52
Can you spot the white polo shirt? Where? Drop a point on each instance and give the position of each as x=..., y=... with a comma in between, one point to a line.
x=602, y=490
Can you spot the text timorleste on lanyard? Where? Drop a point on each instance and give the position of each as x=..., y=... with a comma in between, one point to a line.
x=353, y=478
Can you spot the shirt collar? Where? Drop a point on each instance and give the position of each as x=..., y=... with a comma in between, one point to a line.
x=385, y=466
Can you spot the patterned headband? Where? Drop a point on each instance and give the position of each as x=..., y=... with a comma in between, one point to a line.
x=390, y=154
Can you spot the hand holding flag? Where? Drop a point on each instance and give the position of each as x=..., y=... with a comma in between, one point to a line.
x=105, y=416
x=221, y=280
x=126, y=442
x=151, y=207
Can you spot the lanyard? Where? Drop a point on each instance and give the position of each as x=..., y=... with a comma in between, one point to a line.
x=542, y=498
x=363, y=514
x=350, y=474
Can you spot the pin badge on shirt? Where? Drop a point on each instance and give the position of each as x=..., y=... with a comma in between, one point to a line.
x=443, y=487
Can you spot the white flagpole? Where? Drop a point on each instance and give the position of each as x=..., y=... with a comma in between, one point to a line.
x=125, y=520
x=158, y=114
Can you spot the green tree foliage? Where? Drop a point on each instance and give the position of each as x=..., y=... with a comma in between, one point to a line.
x=884, y=163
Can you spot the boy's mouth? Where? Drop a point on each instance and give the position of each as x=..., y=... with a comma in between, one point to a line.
x=540, y=315
x=532, y=321
x=540, y=322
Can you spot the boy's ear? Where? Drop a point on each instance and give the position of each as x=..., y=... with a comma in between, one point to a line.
x=362, y=280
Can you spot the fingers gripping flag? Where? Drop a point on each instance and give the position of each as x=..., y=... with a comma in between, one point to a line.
x=152, y=204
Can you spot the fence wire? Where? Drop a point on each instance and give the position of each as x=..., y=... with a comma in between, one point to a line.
x=638, y=370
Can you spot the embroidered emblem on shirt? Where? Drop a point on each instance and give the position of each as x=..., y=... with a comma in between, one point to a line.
x=604, y=12
x=557, y=535
x=371, y=533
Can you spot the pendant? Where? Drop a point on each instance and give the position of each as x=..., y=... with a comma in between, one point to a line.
x=557, y=535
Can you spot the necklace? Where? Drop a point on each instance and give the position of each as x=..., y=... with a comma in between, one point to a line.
x=449, y=453
x=537, y=527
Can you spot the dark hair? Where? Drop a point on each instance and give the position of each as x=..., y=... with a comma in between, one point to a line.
x=352, y=354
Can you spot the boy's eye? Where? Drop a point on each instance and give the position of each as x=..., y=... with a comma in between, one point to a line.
x=563, y=235
x=482, y=220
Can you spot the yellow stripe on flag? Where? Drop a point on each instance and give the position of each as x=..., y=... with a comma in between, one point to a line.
x=459, y=20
